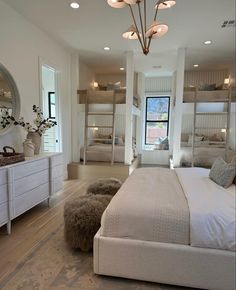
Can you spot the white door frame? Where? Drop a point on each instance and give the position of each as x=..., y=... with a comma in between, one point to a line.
x=53, y=67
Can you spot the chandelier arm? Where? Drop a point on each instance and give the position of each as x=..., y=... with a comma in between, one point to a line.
x=141, y=24
x=155, y=17
x=136, y=27
x=145, y=20
x=149, y=42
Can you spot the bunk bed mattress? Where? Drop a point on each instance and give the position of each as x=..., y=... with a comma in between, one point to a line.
x=204, y=156
x=150, y=206
x=102, y=153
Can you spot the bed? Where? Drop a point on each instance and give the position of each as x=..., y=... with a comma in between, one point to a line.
x=206, y=149
x=161, y=228
x=102, y=153
x=106, y=97
x=205, y=154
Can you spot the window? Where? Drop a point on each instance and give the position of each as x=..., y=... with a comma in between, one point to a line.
x=52, y=105
x=157, y=119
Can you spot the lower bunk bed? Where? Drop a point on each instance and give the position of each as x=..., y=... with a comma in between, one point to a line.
x=169, y=226
x=204, y=155
x=102, y=153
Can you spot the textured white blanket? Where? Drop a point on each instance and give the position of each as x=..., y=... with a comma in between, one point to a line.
x=150, y=206
x=212, y=210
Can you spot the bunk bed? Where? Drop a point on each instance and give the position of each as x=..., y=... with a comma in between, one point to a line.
x=101, y=142
x=209, y=136
x=105, y=97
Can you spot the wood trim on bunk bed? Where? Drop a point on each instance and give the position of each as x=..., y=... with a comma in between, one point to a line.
x=102, y=97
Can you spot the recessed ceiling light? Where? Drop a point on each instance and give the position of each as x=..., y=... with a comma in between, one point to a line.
x=107, y=48
x=207, y=42
x=74, y=5
x=196, y=65
x=122, y=68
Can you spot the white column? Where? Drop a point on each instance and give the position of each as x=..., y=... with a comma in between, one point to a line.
x=129, y=105
x=74, y=106
x=140, y=119
x=178, y=106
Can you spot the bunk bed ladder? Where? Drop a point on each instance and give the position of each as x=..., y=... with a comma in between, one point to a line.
x=113, y=128
x=194, y=125
x=228, y=125
x=87, y=127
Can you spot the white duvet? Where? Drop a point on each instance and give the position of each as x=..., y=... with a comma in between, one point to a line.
x=212, y=210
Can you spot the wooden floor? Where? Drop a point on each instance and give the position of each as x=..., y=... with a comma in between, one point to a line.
x=101, y=170
x=32, y=227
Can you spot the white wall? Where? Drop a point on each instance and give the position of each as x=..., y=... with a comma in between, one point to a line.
x=22, y=44
x=86, y=76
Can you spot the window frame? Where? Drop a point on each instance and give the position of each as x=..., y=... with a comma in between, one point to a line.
x=156, y=121
x=50, y=94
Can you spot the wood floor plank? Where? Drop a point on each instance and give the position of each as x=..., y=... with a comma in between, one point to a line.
x=34, y=226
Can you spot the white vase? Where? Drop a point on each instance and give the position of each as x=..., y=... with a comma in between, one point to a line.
x=36, y=139
x=28, y=148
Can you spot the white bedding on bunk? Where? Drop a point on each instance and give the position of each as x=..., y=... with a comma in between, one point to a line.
x=102, y=153
x=204, y=156
x=212, y=209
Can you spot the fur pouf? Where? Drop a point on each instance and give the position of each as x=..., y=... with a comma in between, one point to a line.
x=82, y=217
x=104, y=186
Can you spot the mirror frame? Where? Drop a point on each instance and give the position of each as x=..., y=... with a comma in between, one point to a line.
x=15, y=97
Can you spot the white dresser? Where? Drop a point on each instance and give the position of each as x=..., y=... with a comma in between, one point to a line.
x=24, y=185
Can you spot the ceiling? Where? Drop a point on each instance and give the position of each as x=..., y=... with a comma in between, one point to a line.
x=95, y=25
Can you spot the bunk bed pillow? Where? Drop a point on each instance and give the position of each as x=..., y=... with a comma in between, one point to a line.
x=115, y=86
x=207, y=87
x=196, y=138
x=222, y=173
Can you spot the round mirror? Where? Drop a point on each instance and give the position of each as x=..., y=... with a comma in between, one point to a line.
x=9, y=99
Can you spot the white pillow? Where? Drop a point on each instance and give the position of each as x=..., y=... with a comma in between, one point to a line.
x=120, y=141
x=196, y=138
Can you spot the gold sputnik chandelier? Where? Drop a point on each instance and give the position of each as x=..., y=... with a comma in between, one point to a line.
x=139, y=28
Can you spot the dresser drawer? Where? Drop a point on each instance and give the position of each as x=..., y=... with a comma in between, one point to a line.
x=57, y=171
x=56, y=160
x=3, y=213
x=29, y=199
x=30, y=182
x=3, y=194
x=3, y=176
x=56, y=184
x=30, y=168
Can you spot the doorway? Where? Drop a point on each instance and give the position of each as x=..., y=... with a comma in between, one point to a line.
x=50, y=105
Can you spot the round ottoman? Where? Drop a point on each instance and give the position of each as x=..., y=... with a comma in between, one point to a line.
x=103, y=186
x=82, y=217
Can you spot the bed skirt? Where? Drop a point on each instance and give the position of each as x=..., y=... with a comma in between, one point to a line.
x=165, y=263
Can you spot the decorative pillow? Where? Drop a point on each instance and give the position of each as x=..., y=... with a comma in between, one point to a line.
x=207, y=87
x=120, y=141
x=196, y=138
x=109, y=141
x=184, y=137
x=102, y=88
x=216, y=137
x=111, y=86
x=222, y=173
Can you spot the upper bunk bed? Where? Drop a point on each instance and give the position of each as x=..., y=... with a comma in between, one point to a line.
x=193, y=94
x=107, y=98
